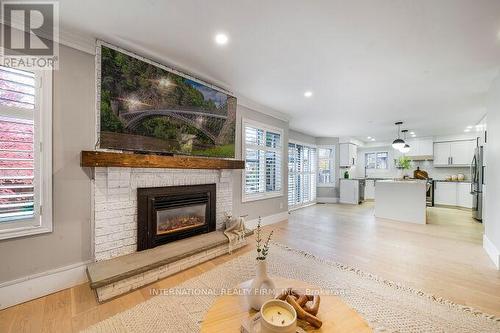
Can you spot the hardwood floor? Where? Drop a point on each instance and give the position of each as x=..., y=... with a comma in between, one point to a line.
x=444, y=257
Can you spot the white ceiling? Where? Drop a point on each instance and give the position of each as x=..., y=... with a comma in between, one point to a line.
x=369, y=63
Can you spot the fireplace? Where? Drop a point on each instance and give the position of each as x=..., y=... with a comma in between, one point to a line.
x=167, y=214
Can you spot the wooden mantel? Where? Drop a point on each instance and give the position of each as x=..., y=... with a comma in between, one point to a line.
x=127, y=160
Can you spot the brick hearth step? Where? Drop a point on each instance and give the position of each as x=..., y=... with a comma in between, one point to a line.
x=114, y=277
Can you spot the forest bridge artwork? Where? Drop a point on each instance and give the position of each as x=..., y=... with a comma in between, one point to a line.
x=209, y=123
x=145, y=107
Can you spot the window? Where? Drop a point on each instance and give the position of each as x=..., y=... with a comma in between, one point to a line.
x=301, y=175
x=377, y=160
x=326, y=167
x=25, y=164
x=262, y=150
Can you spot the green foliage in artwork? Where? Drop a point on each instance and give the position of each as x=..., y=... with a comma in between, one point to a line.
x=170, y=129
x=109, y=121
x=217, y=151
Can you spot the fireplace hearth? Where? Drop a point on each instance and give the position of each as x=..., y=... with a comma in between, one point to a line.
x=167, y=214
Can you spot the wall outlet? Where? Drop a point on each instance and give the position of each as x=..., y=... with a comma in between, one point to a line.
x=281, y=205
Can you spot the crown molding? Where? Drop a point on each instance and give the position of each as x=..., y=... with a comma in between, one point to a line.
x=67, y=36
x=252, y=105
x=82, y=42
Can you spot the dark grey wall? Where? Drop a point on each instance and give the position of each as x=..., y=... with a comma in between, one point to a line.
x=73, y=131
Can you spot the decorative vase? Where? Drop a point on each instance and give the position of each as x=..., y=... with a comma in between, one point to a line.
x=262, y=287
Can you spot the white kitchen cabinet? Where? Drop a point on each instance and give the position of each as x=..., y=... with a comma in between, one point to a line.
x=353, y=151
x=426, y=147
x=454, y=153
x=462, y=152
x=421, y=148
x=452, y=194
x=369, y=189
x=445, y=193
x=349, y=191
x=441, y=153
x=348, y=154
x=464, y=197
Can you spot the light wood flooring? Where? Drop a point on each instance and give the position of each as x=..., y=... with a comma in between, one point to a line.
x=444, y=257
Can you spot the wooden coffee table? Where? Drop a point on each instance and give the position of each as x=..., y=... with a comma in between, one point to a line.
x=227, y=313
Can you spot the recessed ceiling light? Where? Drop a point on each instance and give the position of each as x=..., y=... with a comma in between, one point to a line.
x=412, y=133
x=369, y=138
x=373, y=139
x=308, y=94
x=469, y=127
x=221, y=39
x=467, y=130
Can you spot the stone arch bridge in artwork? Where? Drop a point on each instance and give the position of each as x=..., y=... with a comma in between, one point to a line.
x=207, y=122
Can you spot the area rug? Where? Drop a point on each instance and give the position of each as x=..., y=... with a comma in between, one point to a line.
x=385, y=305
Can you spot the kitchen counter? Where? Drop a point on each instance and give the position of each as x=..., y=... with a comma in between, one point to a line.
x=452, y=181
x=401, y=200
x=403, y=181
x=373, y=178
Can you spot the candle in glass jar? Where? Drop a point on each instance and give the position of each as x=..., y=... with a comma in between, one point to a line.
x=278, y=315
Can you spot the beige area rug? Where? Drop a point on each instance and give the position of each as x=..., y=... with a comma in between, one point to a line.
x=385, y=305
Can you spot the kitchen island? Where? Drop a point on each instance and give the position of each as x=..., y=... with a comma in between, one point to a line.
x=401, y=200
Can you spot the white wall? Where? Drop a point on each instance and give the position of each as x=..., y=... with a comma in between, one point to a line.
x=491, y=240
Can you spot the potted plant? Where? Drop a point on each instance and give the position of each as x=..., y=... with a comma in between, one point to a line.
x=403, y=163
x=262, y=286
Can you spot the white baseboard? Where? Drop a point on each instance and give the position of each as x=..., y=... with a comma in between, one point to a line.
x=41, y=284
x=492, y=251
x=327, y=200
x=300, y=207
x=266, y=220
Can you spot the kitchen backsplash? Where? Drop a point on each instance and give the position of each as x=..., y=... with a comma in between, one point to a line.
x=441, y=173
x=393, y=172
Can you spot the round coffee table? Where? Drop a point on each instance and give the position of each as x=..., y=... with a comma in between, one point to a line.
x=228, y=312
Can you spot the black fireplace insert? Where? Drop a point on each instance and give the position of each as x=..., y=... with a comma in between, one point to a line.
x=166, y=214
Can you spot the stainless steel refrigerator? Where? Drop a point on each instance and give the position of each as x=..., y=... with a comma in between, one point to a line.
x=477, y=182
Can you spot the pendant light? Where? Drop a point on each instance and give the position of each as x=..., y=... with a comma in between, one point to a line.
x=406, y=147
x=398, y=143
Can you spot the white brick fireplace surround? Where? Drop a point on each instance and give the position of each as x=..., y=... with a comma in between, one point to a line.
x=115, y=202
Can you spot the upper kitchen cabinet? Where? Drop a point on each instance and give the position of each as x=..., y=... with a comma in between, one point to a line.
x=348, y=154
x=454, y=153
x=421, y=149
x=462, y=152
x=442, y=153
